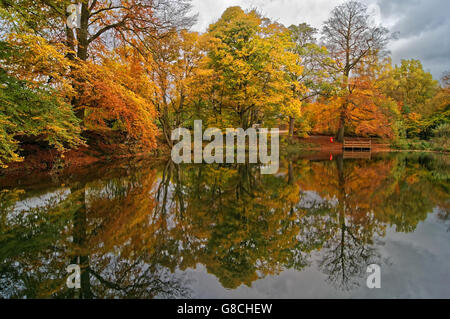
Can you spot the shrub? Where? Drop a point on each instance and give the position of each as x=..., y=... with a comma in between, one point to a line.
x=442, y=130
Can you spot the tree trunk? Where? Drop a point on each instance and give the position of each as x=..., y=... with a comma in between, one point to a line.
x=166, y=129
x=82, y=33
x=291, y=126
x=341, y=130
x=345, y=85
x=82, y=54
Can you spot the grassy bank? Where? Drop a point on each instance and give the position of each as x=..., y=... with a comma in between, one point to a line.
x=292, y=146
x=441, y=144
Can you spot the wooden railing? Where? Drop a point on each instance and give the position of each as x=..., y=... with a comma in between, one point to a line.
x=357, y=144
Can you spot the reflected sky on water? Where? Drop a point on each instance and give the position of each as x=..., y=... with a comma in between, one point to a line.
x=141, y=229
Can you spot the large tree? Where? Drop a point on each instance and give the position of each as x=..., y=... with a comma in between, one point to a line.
x=317, y=76
x=414, y=90
x=350, y=36
x=172, y=64
x=132, y=20
x=29, y=107
x=103, y=23
x=247, y=70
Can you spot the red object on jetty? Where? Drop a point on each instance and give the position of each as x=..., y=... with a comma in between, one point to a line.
x=331, y=140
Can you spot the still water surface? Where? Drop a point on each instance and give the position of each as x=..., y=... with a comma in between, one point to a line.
x=145, y=230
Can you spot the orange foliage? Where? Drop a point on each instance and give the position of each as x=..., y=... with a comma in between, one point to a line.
x=368, y=112
x=117, y=95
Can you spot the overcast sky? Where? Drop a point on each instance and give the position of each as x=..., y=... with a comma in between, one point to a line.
x=423, y=25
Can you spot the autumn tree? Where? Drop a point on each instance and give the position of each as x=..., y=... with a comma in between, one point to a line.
x=246, y=75
x=103, y=24
x=118, y=96
x=88, y=63
x=370, y=112
x=350, y=37
x=317, y=75
x=100, y=20
x=439, y=120
x=413, y=89
x=29, y=106
x=172, y=63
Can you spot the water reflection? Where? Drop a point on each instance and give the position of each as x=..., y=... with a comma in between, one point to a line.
x=135, y=228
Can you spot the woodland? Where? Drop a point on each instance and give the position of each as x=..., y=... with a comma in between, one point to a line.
x=133, y=72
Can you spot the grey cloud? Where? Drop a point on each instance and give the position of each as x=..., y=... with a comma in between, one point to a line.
x=415, y=17
x=423, y=25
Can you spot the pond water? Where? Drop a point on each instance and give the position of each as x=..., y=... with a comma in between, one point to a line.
x=140, y=229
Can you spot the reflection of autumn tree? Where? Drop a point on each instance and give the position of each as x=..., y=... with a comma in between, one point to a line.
x=131, y=229
x=417, y=185
x=32, y=240
x=440, y=177
x=117, y=241
x=241, y=222
x=131, y=254
x=345, y=191
x=358, y=200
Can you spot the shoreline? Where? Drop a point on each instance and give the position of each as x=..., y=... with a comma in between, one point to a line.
x=323, y=144
x=45, y=161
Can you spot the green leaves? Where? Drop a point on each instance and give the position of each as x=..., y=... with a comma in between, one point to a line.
x=32, y=110
x=417, y=94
